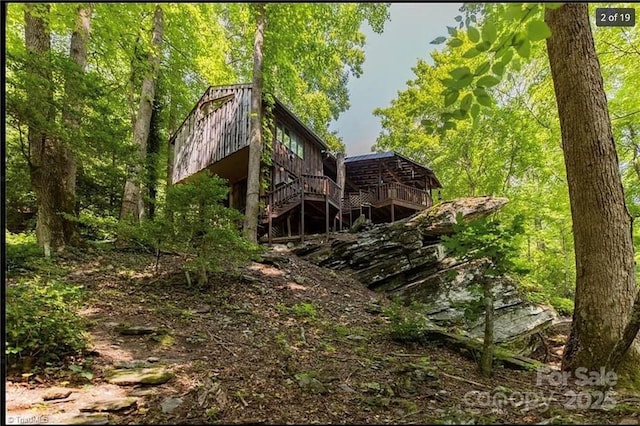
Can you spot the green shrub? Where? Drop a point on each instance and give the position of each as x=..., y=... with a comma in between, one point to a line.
x=41, y=322
x=94, y=227
x=198, y=226
x=304, y=310
x=21, y=249
x=563, y=305
x=406, y=325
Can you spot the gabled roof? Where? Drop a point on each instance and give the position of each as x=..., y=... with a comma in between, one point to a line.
x=367, y=169
x=311, y=133
x=279, y=106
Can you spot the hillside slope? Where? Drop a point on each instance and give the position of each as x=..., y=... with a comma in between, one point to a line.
x=286, y=342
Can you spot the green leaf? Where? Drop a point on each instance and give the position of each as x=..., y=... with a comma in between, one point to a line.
x=506, y=58
x=538, y=30
x=513, y=12
x=475, y=109
x=438, y=40
x=524, y=50
x=455, y=42
x=482, y=97
x=498, y=68
x=482, y=68
x=452, y=30
x=460, y=114
x=553, y=5
x=516, y=64
x=488, y=81
x=471, y=53
x=449, y=82
x=460, y=72
x=427, y=123
x=483, y=46
x=458, y=18
x=479, y=91
x=489, y=32
x=456, y=84
x=449, y=125
x=465, y=104
x=474, y=34
x=451, y=97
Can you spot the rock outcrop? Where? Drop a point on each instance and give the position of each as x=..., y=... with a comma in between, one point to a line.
x=406, y=260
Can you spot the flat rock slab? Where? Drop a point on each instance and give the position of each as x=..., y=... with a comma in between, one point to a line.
x=79, y=419
x=170, y=404
x=56, y=393
x=139, y=376
x=137, y=330
x=110, y=405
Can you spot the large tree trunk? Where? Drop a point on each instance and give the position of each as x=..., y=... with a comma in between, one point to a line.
x=46, y=157
x=71, y=116
x=133, y=197
x=255, y=143
x=605, y=284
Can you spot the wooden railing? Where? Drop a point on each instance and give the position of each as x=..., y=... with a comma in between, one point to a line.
x=279, y=197
x=398, y=191
x=321, y=185
x=385, y=192
x=283, y=195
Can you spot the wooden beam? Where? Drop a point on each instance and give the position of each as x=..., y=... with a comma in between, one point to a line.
x=393, y=211
x=395, y=176
x=302, y=216
x=326, y=213
x=270, y=221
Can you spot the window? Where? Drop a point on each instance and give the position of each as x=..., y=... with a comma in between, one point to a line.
x=289, y=139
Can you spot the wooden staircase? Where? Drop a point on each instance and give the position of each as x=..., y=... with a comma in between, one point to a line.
x=281, y=200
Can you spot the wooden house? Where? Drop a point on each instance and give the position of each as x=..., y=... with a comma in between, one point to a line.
x=308, y=189
x=386, y=187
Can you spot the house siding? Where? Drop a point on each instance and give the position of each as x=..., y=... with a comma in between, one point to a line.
x=210, y=134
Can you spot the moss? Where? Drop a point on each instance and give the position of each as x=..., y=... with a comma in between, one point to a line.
x=145, y=376
x=629, y=373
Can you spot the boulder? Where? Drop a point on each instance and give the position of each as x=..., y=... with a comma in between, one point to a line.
x=407, y=261
x=359, y=223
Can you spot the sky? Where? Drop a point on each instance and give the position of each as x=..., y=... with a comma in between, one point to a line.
x=389, y=58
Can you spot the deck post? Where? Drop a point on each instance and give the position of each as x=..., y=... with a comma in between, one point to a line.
x=326, y=213
x=393, y=211
x=302, y=215
x=270, y=221
x=341, y=181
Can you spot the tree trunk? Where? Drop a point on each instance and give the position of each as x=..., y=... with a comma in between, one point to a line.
x=133, y=197
x=151, y=165
x=71, y=116
x=628, y=336
x=605, y=277
x=255, y=143
x=45, y=162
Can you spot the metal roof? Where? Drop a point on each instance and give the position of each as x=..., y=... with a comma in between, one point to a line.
x=372, y=156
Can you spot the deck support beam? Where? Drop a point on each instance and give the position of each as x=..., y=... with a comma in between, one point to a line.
x=270, y=222
x=326, y=213
x=302, y=216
